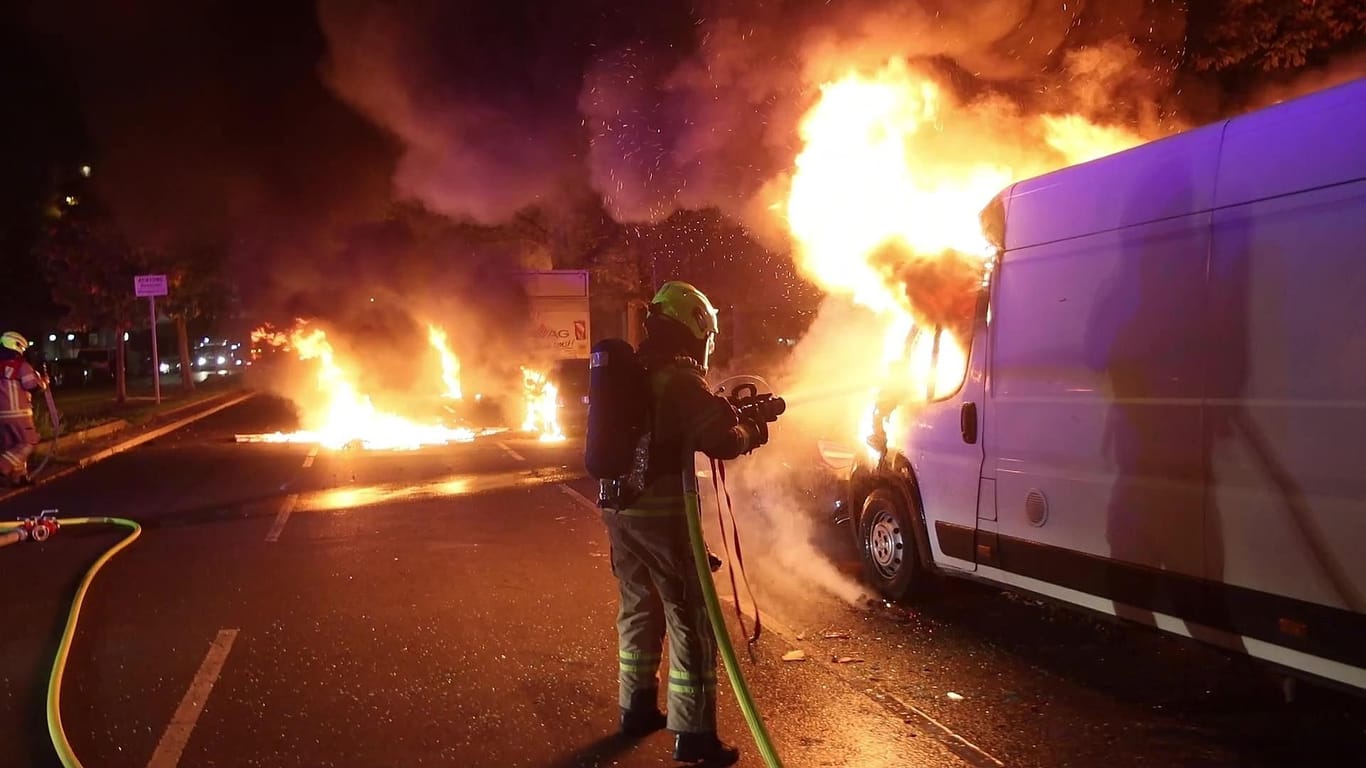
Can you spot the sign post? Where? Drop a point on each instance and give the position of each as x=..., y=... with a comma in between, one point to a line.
x=152, y=286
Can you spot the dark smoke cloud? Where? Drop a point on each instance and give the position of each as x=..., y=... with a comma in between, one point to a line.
x=279, y=128
x=688, y=107
x=483, y=96
x=388, y=279
x=943, y=290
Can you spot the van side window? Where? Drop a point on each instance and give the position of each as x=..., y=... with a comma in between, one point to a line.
x=936, y=361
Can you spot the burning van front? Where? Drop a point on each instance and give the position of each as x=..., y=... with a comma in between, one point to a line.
x=881, y=498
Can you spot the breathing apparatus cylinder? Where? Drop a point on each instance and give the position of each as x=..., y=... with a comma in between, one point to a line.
x=618, y=415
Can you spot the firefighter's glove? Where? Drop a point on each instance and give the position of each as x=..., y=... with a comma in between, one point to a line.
x=755, y=431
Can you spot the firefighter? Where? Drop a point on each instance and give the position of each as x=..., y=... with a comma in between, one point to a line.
x=18, y=435
x=651, y=555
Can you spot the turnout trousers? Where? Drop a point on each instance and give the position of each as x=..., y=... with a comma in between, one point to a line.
x=18, y=437
x=661, y=595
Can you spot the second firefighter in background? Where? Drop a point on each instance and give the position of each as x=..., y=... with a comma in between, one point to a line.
x=18, y=433
x=652, y=556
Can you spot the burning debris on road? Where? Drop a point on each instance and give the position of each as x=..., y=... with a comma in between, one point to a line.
x=336, y=413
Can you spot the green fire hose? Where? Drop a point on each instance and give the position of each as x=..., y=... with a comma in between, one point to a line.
x=718, y=621
x=54, y=683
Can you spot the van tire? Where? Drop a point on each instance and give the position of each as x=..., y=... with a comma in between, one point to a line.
x=887, y=544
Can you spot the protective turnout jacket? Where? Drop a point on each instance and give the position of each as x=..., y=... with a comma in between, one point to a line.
x=17, y=381
x=684, y=412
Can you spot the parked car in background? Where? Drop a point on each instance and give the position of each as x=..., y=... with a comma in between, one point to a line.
x=67, y=373
x=98, y=364
x=215, y=359
x=90, y=367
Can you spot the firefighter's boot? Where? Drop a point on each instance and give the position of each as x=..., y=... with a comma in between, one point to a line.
x=643, y=717
x=704, y=749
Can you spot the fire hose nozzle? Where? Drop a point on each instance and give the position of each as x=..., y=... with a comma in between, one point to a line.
x=766, y=407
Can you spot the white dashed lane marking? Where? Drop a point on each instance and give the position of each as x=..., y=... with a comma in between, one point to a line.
x=177, y=733
x=282, y=517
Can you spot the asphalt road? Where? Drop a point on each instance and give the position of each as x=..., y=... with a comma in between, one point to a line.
x=455, y=607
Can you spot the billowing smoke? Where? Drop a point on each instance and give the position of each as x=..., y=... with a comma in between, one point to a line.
x=388, y=279
x=783, y=492
x=482, y=100
x=689, y=106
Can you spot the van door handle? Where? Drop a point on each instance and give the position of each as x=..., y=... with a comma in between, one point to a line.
x=967, y=422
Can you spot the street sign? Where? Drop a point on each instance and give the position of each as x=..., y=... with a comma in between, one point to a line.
x=152, y=286
x=149, y=285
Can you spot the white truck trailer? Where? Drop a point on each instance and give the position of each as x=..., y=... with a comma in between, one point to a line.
x=559, y=334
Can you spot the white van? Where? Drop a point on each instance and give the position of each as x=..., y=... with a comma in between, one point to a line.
x=1163, y=415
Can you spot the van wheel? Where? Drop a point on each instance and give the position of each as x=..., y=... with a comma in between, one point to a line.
x=887, y=544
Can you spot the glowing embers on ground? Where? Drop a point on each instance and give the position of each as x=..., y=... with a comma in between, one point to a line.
x=335, y=414
x=358, y=496
x=884, y=204
x=542, y=406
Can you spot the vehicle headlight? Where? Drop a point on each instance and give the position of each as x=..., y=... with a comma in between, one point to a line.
x=165, y=367
x=202, y=361
x=221, y=359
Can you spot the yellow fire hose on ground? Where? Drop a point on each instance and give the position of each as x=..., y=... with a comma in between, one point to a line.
x=18, y=532
x=718, y=620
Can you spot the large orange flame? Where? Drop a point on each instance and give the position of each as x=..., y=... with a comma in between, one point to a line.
x=450, y=364
x=336, y=414
x=542, y=406
x=884, y=203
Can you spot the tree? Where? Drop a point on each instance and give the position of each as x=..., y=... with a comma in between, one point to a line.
x=198, y=288
x=567, y=236
x=91, y=265
x=1267, y=35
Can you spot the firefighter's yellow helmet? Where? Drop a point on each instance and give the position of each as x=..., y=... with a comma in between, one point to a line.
x=15, y=341
x=689, y=306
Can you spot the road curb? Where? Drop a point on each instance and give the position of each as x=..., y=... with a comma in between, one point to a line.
x=84, y=435
x=209, y=407
x=133, y=442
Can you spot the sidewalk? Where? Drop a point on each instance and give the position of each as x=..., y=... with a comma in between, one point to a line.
x=88, y=407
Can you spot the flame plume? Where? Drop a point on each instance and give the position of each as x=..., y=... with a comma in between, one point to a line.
x=883, y=205
x=542, y=406
x=450, y=364
x=337, y=414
